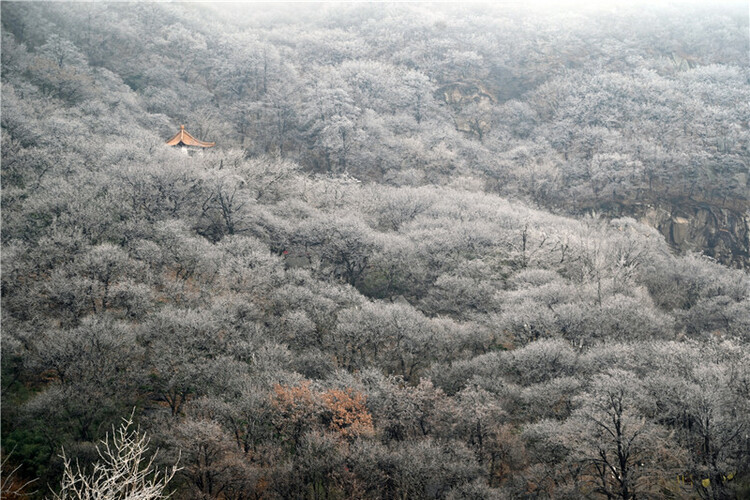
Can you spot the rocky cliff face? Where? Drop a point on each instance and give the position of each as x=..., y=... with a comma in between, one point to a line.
x=721, y=233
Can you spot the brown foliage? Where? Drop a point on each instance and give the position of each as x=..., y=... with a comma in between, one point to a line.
x=295, y=409
x=348, y=413
x=298, y=407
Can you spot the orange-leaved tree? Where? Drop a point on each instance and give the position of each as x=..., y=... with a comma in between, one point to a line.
x=347, y=413
x=296, y=409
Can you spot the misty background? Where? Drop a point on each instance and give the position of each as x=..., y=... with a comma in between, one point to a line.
x=438, y=250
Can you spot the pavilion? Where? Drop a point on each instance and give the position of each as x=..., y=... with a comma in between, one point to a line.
x=184, y=139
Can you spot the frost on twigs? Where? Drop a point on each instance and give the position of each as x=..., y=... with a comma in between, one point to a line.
x=10, y=484
x=123, y=471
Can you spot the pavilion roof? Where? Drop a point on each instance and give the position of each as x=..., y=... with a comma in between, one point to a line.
x=184, y=138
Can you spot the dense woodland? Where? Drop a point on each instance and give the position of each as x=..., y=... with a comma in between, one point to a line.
x=437, y=252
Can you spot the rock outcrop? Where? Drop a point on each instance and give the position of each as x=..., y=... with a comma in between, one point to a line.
x=718, y=232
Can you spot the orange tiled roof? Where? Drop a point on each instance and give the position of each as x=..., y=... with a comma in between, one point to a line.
x=185, y=139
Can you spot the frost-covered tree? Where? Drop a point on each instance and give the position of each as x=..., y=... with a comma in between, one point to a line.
x=124, y=470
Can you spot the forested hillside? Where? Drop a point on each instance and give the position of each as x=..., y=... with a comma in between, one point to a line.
x=437, y=251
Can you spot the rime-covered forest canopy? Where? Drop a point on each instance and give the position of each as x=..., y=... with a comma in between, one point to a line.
x=438, y=251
